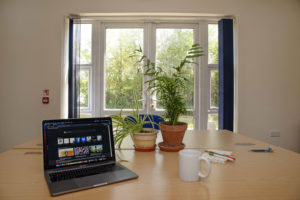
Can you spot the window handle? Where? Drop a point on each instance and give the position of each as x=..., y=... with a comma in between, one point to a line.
x=152, y=99
x=153, y=103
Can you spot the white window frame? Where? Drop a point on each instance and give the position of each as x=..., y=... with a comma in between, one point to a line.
x=101, y=101
x=201, y=71
x=195, y=112
x=211, y=67
x=88, y=109
x=89, y=67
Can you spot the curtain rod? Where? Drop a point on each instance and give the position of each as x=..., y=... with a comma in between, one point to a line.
x=149, y=16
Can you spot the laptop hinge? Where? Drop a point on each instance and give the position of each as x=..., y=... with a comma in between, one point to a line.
x=79, y=166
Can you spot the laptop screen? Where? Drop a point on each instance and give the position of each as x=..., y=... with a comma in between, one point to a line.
x=77, y=141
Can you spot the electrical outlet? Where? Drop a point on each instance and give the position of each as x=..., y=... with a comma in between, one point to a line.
x=275, y=133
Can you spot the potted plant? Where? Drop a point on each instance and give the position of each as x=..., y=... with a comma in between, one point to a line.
x=132, y=124
x=169, y=88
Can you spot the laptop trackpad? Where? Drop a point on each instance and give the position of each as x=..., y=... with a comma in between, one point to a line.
x=95, y=180
x=61, y=187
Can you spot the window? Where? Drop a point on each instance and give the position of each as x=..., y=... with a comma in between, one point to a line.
x=121, y=76
x=109, y=77
x=86, y=69
x=213, y=60
x=171, y=46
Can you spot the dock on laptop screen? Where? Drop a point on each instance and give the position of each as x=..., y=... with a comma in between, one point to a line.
x=77, y=142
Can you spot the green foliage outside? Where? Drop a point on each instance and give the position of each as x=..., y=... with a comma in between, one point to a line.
x=170, y=50
x=214, y=118
x=84, y=81
x=213, y=44
x=213, y=58
x=169, y=85
x=85, y=55
x=214, y=84
x=189, y=119
x=121, y=72
x=123, y=78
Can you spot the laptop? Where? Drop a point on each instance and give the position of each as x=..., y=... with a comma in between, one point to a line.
x=79, y=154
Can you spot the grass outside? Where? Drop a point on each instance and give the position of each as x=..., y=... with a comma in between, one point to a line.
x=187, y=119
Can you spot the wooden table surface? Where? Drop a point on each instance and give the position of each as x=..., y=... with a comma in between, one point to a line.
x=252, y=176
x=192, y=139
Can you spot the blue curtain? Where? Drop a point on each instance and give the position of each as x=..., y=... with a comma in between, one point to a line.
x=226, y=74
x=74, y=69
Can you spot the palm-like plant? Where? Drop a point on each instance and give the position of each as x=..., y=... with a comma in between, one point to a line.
x=169, y=87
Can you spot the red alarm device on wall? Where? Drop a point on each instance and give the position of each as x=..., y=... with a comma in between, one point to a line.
x=45, y=100
x=45, y=96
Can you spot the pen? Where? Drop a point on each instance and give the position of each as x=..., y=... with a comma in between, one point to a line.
x=262, y=150
x=222, y=156
x=225, y=155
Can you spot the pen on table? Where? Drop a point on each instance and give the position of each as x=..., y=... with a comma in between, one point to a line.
x=262, y=150
x=224, y=155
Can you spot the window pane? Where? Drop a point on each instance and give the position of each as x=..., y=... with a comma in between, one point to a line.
x=84, y=88
x=122, y=78
x=213, y=121
x=214, y=88
x=189, y=119
x=171, y=47
x=213, y=44
x=85, y=33
x=85, y=115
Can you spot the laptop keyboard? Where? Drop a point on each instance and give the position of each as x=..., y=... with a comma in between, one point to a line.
x=70, y=174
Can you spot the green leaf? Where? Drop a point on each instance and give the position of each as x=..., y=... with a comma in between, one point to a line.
x=193, y=52
x=194, y=56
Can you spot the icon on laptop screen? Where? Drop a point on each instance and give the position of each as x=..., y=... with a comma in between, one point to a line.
x=81, y=150
x=77, y=140
x=65, y=152
x=83, y=139
x=66, y=140
x=96, y=148
x=88, y=138
x=72, y=140
x=60, y=140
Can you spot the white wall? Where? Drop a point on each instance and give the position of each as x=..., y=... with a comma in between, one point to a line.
x=268, y=61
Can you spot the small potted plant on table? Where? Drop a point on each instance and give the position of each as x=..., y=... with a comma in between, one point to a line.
x=169, y=88
x=132, y=124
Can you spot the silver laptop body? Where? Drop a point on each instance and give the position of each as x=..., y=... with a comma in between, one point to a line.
x=79, y=154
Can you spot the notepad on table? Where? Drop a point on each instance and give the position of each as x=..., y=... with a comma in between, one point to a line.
x=216, y=159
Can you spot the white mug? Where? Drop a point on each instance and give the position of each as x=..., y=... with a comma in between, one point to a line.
x=189, y=165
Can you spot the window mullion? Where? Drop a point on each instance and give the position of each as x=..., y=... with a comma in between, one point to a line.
x=151, y=50
x=96, y=68
x=197, y=79
x=146, y=50
x=101, y=81
x=204, y=76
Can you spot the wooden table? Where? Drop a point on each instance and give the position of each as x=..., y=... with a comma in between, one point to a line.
x=193, y=139
x=252, y=176
x=33, y=144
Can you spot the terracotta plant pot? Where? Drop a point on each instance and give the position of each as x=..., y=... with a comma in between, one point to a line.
x=172, y=135
x=146, y=140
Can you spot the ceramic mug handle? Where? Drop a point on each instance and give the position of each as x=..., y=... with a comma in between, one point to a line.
x=208, y=165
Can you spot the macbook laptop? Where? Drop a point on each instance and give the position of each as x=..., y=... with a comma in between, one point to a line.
x=79, y=154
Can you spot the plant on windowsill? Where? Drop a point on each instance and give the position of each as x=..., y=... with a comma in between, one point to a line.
x=169, y=88
x=132, y=123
